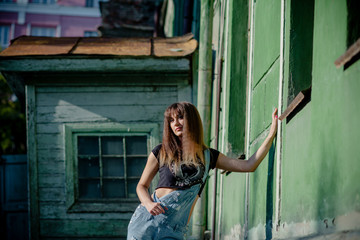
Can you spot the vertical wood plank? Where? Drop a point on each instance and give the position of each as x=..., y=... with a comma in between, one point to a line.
x=101, y=168
x=125, y=167
x=32, y=162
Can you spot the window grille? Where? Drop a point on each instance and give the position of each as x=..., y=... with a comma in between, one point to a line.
x=110, y=166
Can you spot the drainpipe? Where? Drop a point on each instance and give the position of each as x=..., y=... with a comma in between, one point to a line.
x=204, y=102
x=279, y=137
x=220, y=60
x=248, y=112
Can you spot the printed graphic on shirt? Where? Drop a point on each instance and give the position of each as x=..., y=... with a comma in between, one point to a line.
x=187, y=175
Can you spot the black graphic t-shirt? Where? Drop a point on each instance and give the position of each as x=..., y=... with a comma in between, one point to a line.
x=185, y=176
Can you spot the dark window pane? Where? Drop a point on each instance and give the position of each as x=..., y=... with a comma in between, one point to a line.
x=132, y=188
x=135, y=166
x=301, y=47
x=113, y=167
x=89, y=188
x=353, y=21
x=114, y=188
x=88, y=145
x=89, y=3
x=136, y=145
x=112, y=145
x=89, y=167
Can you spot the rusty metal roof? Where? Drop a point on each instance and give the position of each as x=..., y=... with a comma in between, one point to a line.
x=27, y=46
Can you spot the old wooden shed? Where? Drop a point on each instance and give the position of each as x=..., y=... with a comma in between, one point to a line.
x=94, y=112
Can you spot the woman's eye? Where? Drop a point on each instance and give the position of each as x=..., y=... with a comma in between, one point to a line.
x=181, y=117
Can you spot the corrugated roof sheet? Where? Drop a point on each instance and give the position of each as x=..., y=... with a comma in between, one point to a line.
x=70, y=46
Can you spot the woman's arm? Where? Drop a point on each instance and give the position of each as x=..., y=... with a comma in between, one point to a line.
x=235, y=165
x=142, y=189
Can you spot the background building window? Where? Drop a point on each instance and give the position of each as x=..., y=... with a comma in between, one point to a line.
x=43, y=1
x=110, y=166
x=92, y=3
x=91, y=34
x=4, y=36
x=43, y=31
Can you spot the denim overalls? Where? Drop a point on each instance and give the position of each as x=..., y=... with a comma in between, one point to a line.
x=172, y=223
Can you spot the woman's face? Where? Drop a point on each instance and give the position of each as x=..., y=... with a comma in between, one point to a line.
x=176, y=124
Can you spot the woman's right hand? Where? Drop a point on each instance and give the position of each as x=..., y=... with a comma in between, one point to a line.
x=142, y=189
x=155, y=208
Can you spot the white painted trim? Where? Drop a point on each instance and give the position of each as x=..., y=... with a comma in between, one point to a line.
x=28, y=29
x=58, y=31
x=279, y=132
x=51, y=9
x=21, y=17
x=248, y=113
x=12, y=31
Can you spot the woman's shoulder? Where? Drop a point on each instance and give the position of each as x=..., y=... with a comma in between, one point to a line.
x=156, y=150
x=214, y=154
x=213, y=151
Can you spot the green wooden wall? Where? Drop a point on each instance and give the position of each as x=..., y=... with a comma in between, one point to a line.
x=230, y=35
x=318, y=191
x=320, y=143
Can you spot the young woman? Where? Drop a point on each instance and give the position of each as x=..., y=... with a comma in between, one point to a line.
x=183, y=162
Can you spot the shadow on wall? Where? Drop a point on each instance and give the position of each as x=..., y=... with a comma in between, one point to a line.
x=269, y=196
x=269, y=192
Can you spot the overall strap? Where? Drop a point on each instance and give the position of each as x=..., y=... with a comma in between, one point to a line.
x=206, y=173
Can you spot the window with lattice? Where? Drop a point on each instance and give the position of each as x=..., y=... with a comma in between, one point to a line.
x=110, y=166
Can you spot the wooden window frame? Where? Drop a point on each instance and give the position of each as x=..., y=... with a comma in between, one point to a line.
x=349, y=56
x=296, y=105
x=72, y=131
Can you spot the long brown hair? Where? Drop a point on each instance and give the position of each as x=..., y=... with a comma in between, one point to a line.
x=190, y=148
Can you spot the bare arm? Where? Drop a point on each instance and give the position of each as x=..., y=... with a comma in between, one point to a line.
x=142, y=189
x=235, y=165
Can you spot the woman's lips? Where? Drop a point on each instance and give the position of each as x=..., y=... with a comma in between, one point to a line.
x=178, y=129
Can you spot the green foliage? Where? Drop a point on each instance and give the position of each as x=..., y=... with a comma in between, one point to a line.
x=12, y=122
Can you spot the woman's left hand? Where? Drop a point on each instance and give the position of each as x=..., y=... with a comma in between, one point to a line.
x=274, y=124
x=234, y=165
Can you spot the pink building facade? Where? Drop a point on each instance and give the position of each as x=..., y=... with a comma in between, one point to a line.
x=53, y=18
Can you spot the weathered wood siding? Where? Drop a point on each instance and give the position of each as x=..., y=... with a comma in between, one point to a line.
x=59, y=105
